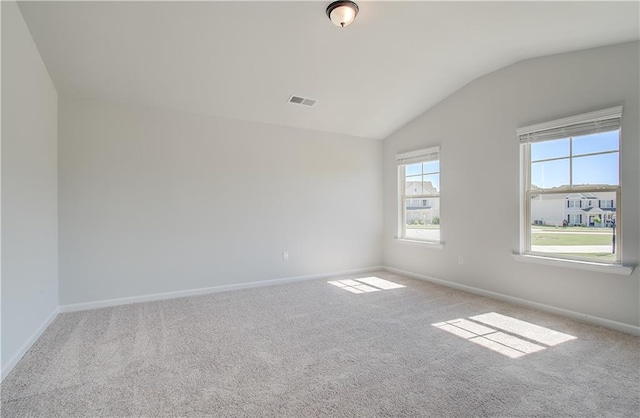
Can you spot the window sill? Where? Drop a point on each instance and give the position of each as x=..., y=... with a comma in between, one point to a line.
x=581, y=265
x=425, y=244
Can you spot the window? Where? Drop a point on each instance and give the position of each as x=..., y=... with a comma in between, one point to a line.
x=419, y=195
x=567, y=164
x=574, y=219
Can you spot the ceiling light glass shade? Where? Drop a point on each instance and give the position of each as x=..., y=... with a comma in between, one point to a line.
x=342, y=13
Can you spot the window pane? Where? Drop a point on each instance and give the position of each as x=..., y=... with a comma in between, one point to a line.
x=413, y=169
x=596, y=169
x=413, y=185
x=422, y=222
x=548, y=174
x=431, y=184
x=431, y=167
x=604, y=141
x=550, y=149
x=578, y=232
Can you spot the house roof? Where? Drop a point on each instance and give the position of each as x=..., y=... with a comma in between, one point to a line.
x=419, y=187
x=596, y=209
x=605, y=195
x=583, y=195
x=589, y=195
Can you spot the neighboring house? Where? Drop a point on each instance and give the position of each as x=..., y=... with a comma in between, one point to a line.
x=422, y=210
x=577, y=209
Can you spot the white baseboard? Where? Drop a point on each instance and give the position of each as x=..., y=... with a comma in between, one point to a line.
x=6, y=368
x=207, y=290
x=607, y=323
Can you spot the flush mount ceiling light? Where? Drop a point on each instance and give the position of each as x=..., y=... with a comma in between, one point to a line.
x=342, y=13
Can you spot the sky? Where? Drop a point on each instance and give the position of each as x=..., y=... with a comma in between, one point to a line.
x=594, y=169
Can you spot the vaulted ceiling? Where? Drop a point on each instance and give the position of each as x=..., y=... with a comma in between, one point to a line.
x=243, y=60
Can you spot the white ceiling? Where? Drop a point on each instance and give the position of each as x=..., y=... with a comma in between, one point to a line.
x=243, y=60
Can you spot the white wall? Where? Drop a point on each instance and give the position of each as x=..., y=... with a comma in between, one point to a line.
x=157, y=201
x=476, y=128
x=29, y=190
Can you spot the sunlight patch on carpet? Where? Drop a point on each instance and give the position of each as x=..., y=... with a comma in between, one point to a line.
x=503, y=334
x=530, y=331
x=365, y=284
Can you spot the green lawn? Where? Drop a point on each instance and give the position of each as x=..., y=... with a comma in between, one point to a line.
x=541, y=238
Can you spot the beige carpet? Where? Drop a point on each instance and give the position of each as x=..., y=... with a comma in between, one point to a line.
x=318, y=349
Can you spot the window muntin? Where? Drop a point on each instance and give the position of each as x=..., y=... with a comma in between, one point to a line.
x=419, y=195
x=572, y=188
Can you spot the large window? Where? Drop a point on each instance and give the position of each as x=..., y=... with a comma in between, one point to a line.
x=419, y=195
x=571, y=187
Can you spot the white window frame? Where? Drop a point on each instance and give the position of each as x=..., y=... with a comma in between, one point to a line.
x=408, y=158
x=584, y=124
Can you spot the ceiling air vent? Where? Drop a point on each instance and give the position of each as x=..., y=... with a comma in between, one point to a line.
x=302, y=101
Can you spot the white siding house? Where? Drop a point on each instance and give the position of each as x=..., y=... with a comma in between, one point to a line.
x=576, y=209
x=424, y=209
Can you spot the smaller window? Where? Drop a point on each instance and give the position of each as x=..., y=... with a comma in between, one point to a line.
x=419, y=195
